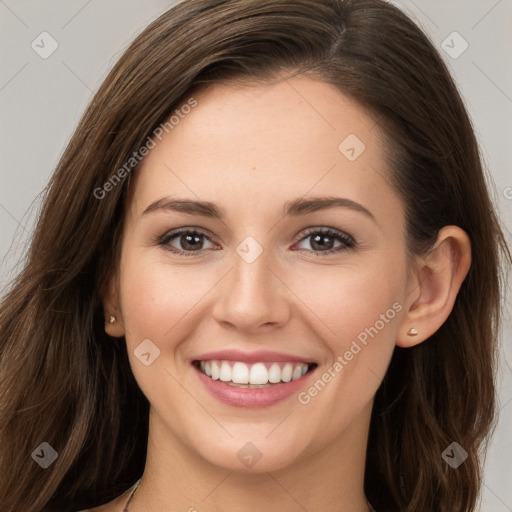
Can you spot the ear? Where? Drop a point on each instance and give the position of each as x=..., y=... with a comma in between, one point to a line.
x=435, y=285
x=112, y=308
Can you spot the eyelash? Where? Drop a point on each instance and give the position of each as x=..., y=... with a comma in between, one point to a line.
x=347, y=240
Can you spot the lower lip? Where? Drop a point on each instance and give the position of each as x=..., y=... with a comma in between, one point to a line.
x=254, y=398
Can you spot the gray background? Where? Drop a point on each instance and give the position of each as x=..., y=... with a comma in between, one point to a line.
x=41, y=101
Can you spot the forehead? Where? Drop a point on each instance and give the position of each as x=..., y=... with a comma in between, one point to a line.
x=253, y=145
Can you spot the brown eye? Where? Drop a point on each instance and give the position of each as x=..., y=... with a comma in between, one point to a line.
x=323, y=241
x=185, y=241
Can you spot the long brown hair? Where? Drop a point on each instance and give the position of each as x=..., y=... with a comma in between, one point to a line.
x=65, y=382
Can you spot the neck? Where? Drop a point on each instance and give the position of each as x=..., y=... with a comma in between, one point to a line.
x=177, y=478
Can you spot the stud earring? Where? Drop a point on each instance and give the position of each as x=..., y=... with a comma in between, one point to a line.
x=112, y=320
x=412, y=332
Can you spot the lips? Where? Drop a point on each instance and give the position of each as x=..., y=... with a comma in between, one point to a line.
x=252, y=380
x=252, y=357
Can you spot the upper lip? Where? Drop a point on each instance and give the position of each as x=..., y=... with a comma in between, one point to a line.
x=251, y=357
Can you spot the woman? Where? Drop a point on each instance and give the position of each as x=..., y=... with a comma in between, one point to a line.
x=265, y=277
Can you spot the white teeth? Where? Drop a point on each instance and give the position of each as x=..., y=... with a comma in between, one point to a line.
x=215, y=370
x=225, y=372
x=297, y=373
x=240, y=373
x=257, y=374
x=286, y=373
x=274, y=373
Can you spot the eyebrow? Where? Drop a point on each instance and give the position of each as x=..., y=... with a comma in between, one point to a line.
x=294, y=208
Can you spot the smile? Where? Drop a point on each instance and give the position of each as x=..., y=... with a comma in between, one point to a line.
x=251, y=375
x=258, y=380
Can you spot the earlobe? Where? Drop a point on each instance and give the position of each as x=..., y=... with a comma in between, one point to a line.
x=113, y=327
x=435, y=286
x=113, y=320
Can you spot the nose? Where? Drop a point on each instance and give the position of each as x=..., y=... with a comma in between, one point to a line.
x=252, y=296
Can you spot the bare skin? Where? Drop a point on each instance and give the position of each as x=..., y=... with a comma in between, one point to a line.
x=249, y=150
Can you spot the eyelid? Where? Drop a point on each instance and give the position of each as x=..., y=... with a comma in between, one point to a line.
x=326, y=230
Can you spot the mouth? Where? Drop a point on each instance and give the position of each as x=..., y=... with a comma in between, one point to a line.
x=252, y=385
x=261, y=374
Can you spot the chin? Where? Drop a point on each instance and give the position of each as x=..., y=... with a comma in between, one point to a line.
x=252, y=453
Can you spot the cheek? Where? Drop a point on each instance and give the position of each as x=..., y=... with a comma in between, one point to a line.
x=159, y=300
x=161, y=303
x=357, y=311
x=349, y=301
x=150, y=298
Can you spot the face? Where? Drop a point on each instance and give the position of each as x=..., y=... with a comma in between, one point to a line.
x=274, y=285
